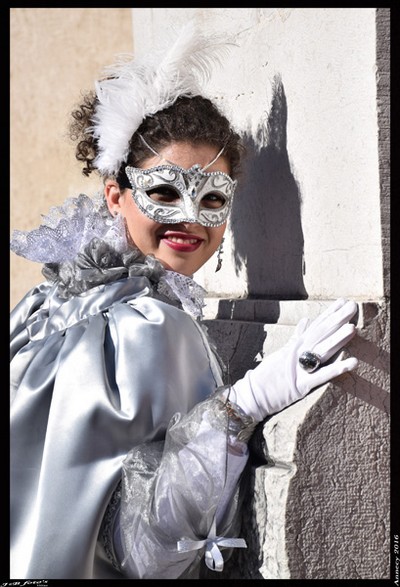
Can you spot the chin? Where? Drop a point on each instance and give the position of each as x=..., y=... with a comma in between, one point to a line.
x=179, y=266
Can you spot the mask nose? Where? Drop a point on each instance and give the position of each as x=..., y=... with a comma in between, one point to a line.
x=191, y=214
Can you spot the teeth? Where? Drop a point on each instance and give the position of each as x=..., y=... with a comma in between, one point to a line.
x=176, y=239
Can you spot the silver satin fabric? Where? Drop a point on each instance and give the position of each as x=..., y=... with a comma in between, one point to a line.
x=81, y=399
x=180, y=498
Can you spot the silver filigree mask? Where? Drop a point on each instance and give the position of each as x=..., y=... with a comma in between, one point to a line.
x=170, y=194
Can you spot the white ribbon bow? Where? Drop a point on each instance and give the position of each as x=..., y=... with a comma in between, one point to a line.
x=213, y=556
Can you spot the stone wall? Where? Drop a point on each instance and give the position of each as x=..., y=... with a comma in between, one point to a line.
x=319, y=507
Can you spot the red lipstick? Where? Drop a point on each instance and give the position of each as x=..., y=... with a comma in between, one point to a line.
x=182, y=241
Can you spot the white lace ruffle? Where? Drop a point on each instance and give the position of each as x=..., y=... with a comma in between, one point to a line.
x=66, y=230
x=185, y=289
x=81, y=244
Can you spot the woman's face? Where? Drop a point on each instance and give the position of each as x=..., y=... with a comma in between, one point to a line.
x=183, y=247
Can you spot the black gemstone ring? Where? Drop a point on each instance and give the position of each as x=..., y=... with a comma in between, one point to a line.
x=310, y=361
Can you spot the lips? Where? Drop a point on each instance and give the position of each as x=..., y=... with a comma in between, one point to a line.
x=182, y=241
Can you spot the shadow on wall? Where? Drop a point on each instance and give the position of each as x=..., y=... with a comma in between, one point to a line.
x=266, y=221
x=238, y=343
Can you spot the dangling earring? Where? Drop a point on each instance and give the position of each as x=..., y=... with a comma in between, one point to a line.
x=219, y=257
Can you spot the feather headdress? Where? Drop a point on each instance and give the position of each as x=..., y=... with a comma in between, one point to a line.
x=135, y=88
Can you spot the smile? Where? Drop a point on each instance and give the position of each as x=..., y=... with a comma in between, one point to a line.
x=176, y=239
x=182, y=242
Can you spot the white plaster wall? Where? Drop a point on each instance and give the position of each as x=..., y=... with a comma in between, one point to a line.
x=326, y=60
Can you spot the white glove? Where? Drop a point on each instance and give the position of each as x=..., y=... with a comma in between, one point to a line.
x=279, y=380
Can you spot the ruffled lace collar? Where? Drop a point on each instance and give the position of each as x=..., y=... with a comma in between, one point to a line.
x=189, y=293
x=82, y=246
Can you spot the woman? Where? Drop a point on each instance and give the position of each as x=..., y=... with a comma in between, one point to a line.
x=127, y=442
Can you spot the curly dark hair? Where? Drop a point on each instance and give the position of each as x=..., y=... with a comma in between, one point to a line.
x=195, y=119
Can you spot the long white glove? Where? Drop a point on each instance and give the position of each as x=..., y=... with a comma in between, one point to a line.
x=279, y=380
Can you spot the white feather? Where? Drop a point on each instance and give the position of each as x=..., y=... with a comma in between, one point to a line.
x=135, y=88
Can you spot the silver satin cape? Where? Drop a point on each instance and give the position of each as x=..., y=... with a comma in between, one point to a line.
x=93, y=377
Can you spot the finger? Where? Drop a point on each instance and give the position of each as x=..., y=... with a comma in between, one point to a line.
x=341, y=315
x=302, y=325
x=332, y=322
x=329, y=346
x=333, y=307
x=328, y=372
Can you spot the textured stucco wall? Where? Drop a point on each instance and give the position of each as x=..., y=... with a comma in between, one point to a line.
x=343, y=462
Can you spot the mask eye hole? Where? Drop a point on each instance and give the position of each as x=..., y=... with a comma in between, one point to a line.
x=213, y=200
x=164, y=195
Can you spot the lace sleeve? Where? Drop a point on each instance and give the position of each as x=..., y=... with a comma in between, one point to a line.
x=180, y=499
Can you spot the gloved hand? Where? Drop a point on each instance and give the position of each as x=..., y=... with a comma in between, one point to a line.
x=279, y=380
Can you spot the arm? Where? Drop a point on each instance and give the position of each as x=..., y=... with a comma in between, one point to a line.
x=180, y=501
x=280, y=379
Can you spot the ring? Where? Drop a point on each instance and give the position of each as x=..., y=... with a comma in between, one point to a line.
x=310, y=361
